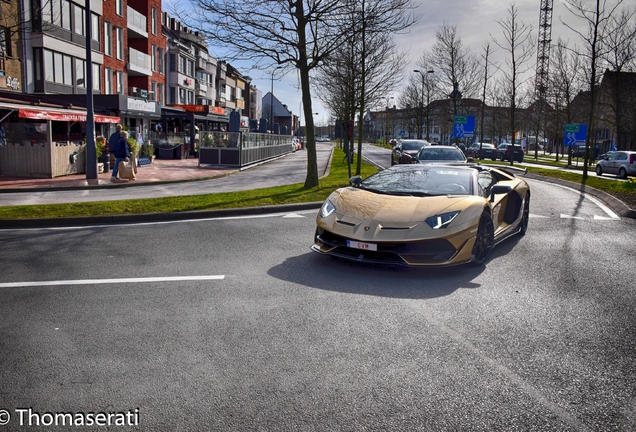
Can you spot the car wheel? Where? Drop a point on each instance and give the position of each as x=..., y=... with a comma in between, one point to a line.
x=485, y=240
x=392, y=162
x=622, y=173
x=599, y=170
x=525, y=216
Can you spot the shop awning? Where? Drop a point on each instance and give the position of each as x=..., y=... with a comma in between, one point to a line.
x=57, y=114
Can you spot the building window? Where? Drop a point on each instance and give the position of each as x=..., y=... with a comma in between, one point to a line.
x=182, y=96
x=182, y=64
x=160, y=93
x=190, y=68
x=119, y=7
x=120, y=82
x=153, y=90
x=160, y=60
x=172, y=96
x=66, y=15
x=5, y=42
x=78, y=14
x=119, y=34
x=190, y=97
x=108, y=38
x=108, y=81
x=96, y=78
x=95, y=27
x=153, y=17
x=80, y=68
x=58, y=68
x=173, y=62
x=153, y=62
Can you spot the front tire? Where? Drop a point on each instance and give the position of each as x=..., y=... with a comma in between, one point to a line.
x=599, y=170
x=525, y=216
x=622, y=173
x=485, y=240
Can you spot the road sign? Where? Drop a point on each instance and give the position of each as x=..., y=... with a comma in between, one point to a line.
x=402, y=133
x=574, y=133
x=464, y=126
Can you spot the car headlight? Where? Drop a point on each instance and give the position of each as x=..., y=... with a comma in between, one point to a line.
x=327, y=208
x=442, y=220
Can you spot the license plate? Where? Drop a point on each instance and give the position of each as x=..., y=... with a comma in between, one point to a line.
x=360, y=245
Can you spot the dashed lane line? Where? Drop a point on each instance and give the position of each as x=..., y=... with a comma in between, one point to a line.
x=109, y=281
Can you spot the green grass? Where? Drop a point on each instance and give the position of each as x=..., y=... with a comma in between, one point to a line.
x=338, y=177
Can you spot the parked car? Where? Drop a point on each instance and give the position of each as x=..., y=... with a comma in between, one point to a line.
x=621, y=163
x=393, y=142
x=423, y=215
x=441, y=154
x=488, y=151
x=506, y=150
x=405, y=151
x=605, y=155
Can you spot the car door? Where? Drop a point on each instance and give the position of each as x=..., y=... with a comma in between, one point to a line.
x=612, y=163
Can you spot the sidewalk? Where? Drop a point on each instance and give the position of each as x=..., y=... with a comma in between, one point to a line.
x=161, y=170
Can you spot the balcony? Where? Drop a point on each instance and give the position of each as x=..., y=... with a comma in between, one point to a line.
x=137, y=24
x=201, y=88
x=138, y=63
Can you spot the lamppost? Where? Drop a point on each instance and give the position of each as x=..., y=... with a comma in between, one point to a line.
x=426, y=84
x=387, y=119
x=271, y=100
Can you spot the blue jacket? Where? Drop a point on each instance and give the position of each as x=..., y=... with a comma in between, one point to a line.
x=121, y=149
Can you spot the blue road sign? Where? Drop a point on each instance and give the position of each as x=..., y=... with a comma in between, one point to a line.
x=402, y=133
x=464, y=126
x=574, y=134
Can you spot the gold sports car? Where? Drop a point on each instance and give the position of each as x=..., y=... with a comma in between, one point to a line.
x=424, y=215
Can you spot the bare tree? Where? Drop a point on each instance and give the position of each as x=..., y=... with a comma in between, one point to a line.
x=293, y=34
x=518, y=43
x=454, y=64
x=565, y=83
x=486, y=58
x=597, y=18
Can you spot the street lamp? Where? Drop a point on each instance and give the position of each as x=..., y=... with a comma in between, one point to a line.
x=271, y=100
x=387, y=119
x=428, y=97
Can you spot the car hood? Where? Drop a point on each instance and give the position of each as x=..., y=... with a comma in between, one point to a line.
x=369, y=216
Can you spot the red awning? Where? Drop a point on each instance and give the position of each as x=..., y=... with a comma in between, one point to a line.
x=57, y=114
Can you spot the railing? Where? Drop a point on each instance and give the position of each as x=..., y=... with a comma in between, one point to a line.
x=139, y=60
x=137, y=21
x=240, y=148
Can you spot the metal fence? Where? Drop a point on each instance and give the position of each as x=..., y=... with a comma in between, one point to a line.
x=239, y=148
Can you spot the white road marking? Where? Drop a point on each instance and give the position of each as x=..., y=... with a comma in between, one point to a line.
x=109, y=281
x=602, y=206
x=293, y=215
x=539, y=216
x=564, y=216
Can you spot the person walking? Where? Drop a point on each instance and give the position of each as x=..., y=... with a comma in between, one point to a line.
x=122, y=153
x=114, y=138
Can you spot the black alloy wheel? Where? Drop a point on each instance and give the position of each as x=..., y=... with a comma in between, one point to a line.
x=525, y=217
x=485, y=240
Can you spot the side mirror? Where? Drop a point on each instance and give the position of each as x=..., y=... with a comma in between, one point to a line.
x=470, y=159
x=355, y=181
x=499, y=189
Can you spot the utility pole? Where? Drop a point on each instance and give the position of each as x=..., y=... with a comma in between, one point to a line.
x=543, y=62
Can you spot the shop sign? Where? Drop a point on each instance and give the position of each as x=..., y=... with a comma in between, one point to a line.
x=187, y=81
x=141, y=105
x=13, y=83
x=200, y=109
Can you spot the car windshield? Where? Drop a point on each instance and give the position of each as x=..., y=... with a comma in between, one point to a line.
x=412, y=145
x=440, y=180
x=438, y=153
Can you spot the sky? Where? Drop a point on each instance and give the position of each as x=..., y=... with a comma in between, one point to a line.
x=476, y=22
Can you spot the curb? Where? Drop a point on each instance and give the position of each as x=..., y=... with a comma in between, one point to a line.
x=616, y=205
x=154, y=217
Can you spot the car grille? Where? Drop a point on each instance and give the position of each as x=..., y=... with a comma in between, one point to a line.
x=420, y=252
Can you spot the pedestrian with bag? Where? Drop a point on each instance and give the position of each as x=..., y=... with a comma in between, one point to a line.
x=114, y=138
x=122, y=153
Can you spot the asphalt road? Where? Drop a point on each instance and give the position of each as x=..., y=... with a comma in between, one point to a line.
x=234, y=325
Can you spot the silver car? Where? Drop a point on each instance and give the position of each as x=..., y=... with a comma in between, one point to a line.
x=621, y=163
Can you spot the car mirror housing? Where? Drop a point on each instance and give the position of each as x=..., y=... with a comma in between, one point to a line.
x=499, y=189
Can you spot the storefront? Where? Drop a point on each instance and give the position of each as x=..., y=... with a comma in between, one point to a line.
x=44, y=140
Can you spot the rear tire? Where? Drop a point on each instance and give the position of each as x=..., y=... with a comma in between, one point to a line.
x=485, y=240
x=622, y=173
x=599, y=170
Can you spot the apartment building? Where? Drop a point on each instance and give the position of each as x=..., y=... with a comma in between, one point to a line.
x=11, y=71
